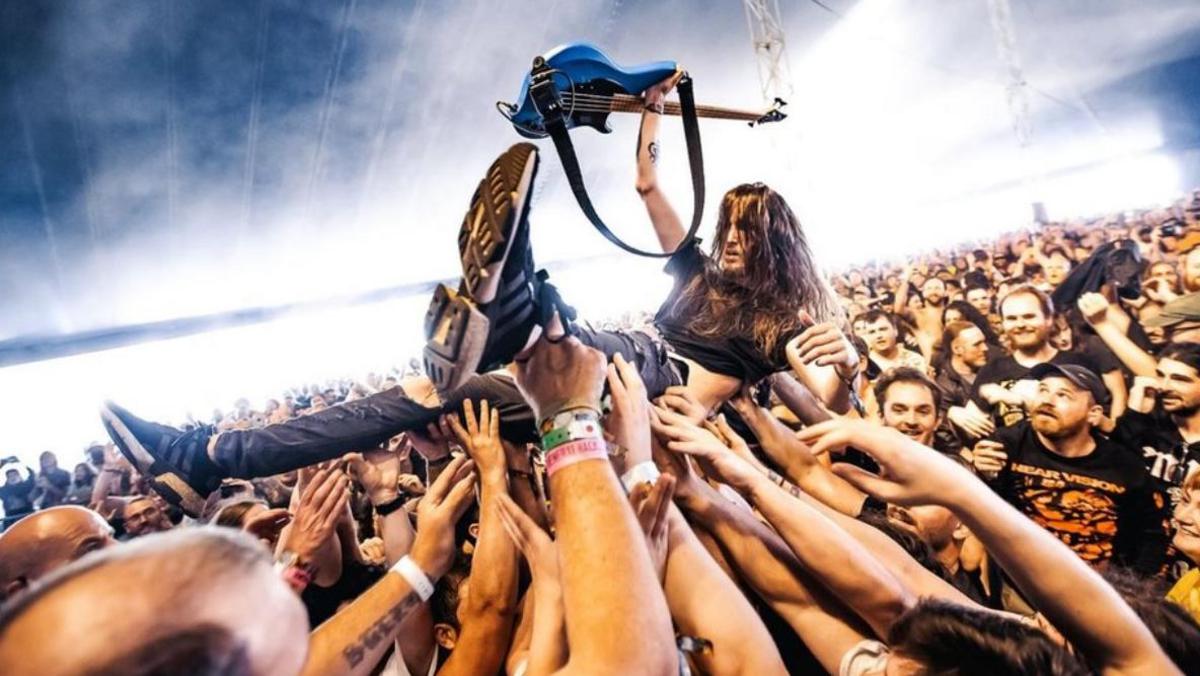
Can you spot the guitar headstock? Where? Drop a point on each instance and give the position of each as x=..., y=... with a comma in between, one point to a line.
x=775, y=114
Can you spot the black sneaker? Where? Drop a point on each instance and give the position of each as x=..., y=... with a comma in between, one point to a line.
x=501, y=304
x=175, y=461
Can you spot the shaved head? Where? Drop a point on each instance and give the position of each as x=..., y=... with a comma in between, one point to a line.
x=47, y=540
x=165, y=603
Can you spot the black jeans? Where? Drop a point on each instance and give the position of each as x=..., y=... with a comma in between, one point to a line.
x=365, y=423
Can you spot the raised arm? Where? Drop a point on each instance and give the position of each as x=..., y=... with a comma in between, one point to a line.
x=767, y=565
x=613, y=603
x=490, y=607
x=667, y=226
x=830, y=554
x=379, y=473
x=1076, y=600
x=1096, y=309
x=354, y=640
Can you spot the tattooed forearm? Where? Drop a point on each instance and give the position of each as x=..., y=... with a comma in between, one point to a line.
x=381, y=631
x=652, y=150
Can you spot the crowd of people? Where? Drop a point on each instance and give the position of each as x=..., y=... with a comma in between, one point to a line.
x=984, y=461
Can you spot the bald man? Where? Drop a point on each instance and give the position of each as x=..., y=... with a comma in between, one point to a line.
x=215, y=606
x=47, y=540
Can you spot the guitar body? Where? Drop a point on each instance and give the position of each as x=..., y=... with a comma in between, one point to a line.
x=583, y=70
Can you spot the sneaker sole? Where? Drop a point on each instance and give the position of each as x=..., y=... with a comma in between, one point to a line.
x=489, y=228
x=167, y=484
x=456, y=333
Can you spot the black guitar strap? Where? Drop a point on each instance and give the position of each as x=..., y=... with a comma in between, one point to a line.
x=546, y=99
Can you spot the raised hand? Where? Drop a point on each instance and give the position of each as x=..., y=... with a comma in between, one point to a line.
x=445, y=502
x=629, y=420
x=681, y=436
x=434, y=443
x=651, y=504
x=910, y=473
x=322, y=500
x=560, y=375
x=988, y=458
x=1093, y=307
x=970, y=419
x=537, y=547
x=825, y=345
x=481, y=438
x=379, y=473
x=681, y=400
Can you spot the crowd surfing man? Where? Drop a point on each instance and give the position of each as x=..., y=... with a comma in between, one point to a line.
x=755, y=305
x=902, y=562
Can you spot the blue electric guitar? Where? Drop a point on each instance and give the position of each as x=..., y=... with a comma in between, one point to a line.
x=577, y=85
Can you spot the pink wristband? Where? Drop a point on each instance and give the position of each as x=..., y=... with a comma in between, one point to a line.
x=575, y=451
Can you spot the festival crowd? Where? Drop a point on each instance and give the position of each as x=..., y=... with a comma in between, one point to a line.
x=983, y=461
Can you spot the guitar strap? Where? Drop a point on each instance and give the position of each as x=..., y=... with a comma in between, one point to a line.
x=548, y=103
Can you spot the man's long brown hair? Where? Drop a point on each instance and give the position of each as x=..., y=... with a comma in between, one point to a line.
x=778, y=278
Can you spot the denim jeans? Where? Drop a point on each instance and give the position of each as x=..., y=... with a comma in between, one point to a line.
x=365, y=423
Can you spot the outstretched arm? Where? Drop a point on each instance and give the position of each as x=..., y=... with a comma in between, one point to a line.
x=599, y=539
x=1077, y=601
x=667, y=225
x=830, y=554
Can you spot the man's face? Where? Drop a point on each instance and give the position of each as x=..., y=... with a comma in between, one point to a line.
x=934, y=291
x=1191, y=271
x=733, y=253
x=1165, y=272
x=1024, y=323
x=1180, y=387
x=12, y=477
x=1057, y=268
x=909, y=408
x=48, y=462
x=143, y=517
x=1060, y=408
x=1187, y=520
x=971, y=347
x=879, y=335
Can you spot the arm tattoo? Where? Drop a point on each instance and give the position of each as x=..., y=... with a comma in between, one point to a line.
x=381, y=631
x=652, y=149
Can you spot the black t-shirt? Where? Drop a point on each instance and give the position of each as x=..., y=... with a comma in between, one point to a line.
x=1103, y=505
x=1006, y=372
x=1157, y=441
x=731, y=355
x=18, y=497
x=322, y=603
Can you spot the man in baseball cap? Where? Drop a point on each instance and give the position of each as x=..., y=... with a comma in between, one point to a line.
x=1090, y=492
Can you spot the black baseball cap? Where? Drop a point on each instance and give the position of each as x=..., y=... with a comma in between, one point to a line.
x=1080, y=376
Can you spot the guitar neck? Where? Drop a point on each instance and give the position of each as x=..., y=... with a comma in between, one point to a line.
x=622, y=103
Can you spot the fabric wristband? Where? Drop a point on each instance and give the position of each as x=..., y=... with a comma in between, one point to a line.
x=568, y=426
x=643, y=472
x=416, y=578
x=572, y=452
x=391, y=505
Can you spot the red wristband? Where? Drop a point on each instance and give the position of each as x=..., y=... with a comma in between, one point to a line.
x=572, y=452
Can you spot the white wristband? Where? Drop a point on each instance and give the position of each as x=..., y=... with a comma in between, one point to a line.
x=643, y=472
x=417, y=579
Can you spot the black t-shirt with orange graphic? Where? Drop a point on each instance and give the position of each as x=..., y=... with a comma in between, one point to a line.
x=1104, y=505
